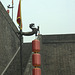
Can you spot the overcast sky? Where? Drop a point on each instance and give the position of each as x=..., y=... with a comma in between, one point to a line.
x=53, y=16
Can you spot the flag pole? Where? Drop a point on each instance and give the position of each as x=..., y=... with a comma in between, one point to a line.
x=21, y=41
x=12, y=9
x=21, y=50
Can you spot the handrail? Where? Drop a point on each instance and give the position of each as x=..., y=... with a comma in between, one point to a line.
x=10, y=62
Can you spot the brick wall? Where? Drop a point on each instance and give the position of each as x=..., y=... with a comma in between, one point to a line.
x=58, y=57
x=9, y=41
x=9, y=46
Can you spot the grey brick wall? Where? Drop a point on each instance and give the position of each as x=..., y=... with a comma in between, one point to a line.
x=9, y=45
x=58, y=57
x=58, y=38
x=14, y=68
x=9, y=41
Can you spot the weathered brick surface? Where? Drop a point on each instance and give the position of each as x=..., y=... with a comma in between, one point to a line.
x=9, y=41
x=28, y=69
x=58, y=58
x=58, y=38
x=9, y=44
x=57, y=55
x=14, y=68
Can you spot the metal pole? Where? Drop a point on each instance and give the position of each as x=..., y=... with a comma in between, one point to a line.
x=12, y=11
x=21, y=41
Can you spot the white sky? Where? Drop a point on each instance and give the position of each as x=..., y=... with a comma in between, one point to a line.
x=53, y=16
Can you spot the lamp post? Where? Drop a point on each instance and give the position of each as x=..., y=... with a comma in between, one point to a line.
x=20, y=33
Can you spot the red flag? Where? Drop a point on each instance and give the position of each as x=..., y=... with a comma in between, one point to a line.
x=19, y=21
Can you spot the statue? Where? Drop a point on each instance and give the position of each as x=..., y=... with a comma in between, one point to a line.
x=34, y=30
